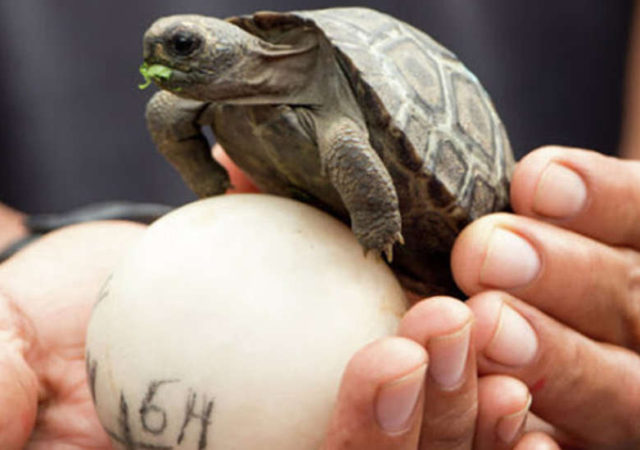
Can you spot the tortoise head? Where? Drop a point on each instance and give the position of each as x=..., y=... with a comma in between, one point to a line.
x=196, y=56
x=209, y=59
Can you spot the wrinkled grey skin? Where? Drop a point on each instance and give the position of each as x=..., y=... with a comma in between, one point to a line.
x=300, y=116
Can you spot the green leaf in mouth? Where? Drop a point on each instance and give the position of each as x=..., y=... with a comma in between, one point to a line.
x=154, y=72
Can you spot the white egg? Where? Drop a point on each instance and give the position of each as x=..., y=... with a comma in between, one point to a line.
x=229, y=324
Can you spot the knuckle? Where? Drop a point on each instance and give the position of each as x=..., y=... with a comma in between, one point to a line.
x=598, y=294
x=578, y=352
x=631, y=433
x=630, y=195
x=625, y=431
x=631, y=306
x=449, y=442
x=617, y=292
x=450, y=429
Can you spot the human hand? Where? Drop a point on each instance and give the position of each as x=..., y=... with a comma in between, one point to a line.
x=421, y=391
x=567, y=322
x=46, y=294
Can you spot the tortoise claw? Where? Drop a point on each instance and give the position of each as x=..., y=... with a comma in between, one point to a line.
x=386, y=251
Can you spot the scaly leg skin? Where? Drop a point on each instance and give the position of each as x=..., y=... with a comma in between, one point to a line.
x=364, y=184
x=172, y=122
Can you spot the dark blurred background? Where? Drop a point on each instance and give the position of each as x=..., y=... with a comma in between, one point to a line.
x=72, y=126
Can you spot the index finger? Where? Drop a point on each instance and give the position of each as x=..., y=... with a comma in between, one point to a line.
x=583, y=191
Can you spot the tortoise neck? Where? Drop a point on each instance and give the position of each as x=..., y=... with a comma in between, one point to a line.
x=276, y=74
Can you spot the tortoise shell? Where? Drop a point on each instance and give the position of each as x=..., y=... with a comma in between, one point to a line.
x=429, y=119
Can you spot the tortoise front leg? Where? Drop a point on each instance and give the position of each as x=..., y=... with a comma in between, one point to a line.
x=363, y=182
x=174, y=128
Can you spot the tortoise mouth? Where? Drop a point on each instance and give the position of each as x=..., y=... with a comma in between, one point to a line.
x=165, y=75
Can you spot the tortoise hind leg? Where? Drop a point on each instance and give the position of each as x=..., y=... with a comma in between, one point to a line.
x=174, y=128
x=363, y=182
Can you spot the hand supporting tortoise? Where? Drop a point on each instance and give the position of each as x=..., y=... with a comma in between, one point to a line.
x=555, y=290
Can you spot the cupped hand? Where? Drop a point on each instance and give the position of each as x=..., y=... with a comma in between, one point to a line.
x=421, y=391
x=556, y=292
x=46, y=295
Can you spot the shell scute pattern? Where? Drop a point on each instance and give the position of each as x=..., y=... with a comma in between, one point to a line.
x=451, y=165
x=419, y=70
x=482, y=194
x=417, y=81
x=473, y=116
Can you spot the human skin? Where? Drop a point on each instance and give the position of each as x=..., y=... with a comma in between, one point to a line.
x=471, y=413
x=46, y=294
x=555, y=290
x=11, y=226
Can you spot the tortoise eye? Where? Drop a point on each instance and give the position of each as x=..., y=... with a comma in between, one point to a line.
x=183, y=43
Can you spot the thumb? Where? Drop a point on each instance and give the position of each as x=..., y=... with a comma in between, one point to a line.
x=379, y=405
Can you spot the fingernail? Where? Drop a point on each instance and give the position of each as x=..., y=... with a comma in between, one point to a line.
x=560, y=193
x=510, y=261
x=397, y=400
x=448, y=357
x=514, y=342
x=509, y=426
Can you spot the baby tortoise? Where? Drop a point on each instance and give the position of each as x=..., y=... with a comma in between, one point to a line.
x=347, y=109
